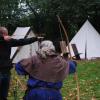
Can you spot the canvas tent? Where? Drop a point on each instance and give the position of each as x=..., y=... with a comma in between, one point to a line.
x=17, y=53
x=87, y=41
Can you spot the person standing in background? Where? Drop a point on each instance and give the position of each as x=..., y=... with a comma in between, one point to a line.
x=6, y=42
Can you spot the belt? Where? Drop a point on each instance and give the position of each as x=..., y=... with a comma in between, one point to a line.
x=46, y=88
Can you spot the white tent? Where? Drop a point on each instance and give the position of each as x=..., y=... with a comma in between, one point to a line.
x=87, y=41
x=17, y=53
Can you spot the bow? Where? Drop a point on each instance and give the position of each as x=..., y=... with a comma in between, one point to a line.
x=76, y=76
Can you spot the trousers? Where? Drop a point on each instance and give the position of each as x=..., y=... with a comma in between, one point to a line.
x=4, y=85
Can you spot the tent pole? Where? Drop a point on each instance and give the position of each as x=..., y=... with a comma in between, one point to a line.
x=86, y=50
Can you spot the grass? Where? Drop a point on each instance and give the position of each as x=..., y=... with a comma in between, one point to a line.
x=88, y=78
x=89, y=82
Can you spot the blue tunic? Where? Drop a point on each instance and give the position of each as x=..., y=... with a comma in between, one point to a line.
x=41, y=90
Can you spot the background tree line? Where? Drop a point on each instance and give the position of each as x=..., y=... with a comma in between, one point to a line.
x=41, y=15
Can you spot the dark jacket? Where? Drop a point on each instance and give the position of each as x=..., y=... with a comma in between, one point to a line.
x=5, y=50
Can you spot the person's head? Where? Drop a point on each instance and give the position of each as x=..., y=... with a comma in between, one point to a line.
x=46, y=49
x=47, y=44
x=3, y=31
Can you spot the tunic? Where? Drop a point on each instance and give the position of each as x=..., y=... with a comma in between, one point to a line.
x=42, y=90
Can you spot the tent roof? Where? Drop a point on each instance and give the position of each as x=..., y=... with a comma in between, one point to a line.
x=87, y=41
x=20, y=32
x=18, y=53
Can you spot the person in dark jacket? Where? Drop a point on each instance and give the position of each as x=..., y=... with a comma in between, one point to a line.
x=6, y=42
x=46, y=72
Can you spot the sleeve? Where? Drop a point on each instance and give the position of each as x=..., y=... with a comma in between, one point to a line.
x=72, y=67
x=21, y=42
x=2, y=41
x=19, y=69
x=25, y=66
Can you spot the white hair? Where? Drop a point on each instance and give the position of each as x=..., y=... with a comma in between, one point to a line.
x=46, y=49
x=47, y=44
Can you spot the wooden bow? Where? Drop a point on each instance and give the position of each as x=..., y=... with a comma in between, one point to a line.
x=76, y=76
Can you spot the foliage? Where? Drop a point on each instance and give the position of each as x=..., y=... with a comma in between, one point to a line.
x=72, y=12
x=8, y=12
x=41, y=15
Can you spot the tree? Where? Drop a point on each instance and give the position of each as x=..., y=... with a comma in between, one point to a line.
x=41, y=14
x=72, y=12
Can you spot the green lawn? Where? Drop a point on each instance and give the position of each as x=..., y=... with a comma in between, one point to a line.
x=88, y=78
